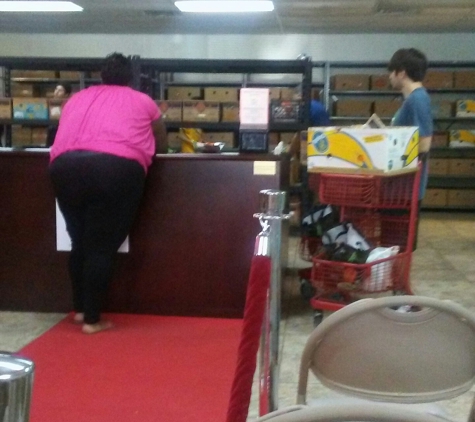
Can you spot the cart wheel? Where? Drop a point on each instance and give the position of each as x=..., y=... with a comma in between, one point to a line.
x=317, y=318
x=306, y=289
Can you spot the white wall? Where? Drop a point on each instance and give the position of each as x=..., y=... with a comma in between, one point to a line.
x=360, y=47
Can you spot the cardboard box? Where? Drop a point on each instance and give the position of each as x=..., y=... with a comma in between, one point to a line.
x=30, y=108
x=442, y=108
x=21, y=135
x=386, y=108
x=274, y=93
x=230, y=112
x=71, y=75
x=226, y=137
x=38, y=136
x=464, y=79
x=201, y=111
x=465, y=108
x=462, y=138
x=461, y=198
x=181, y=93
x=350, y=82
x=34, y=74
x=435, y=198
x=95, y=74
x=353, y=108
x=358, y=150
x=287, y=94
x=461, y=167
x=274, y=139
x=24, y=90
x=380, y=82
x=438, y=166
x=171, y=110
x=221, y=94
x=5, y=108
x=439, y=79
x=440, y=140
x=55, y=107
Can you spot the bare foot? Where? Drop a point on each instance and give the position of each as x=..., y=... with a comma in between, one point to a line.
x=78, y=317
x=97, y=327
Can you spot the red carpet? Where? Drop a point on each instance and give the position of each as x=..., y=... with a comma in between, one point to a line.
x=147, y=368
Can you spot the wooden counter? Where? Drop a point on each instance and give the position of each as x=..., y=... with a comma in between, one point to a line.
x=190, y=249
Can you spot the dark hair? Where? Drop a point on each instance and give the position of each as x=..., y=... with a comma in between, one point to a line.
x=411, y=60
x=67, y=88
x=117, y=70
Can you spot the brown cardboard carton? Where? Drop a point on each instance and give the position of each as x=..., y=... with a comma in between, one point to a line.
x=34, y=74
x=5, y=108
x=287, y=93
x=230, y=111
x=274, y=139
x=439, y=79
x=464, y=79
x=353, y=108
x=380, y=82
x=96, y=74
x=435, y=198
x=182, y=93
x=38, y=136
x=226, y=137
x=442, y=108
x=21, y=135
x=274, y=93
x=221, y=94
x=440, y=140
x=461, y=197
x=350, y=82
x=171, y=110
x=461, y=167
x=201, y=111
x=71, y=75
x=386, y=108
x=438, y=166
x=24, y=90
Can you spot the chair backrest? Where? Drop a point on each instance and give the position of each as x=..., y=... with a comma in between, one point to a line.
x=372, y=350
x=377, y=412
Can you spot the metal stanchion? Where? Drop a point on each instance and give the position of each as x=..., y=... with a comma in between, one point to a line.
x=16, y=379
x=268, y=243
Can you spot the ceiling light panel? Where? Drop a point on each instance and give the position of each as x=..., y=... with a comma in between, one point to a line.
x=216, y=6
x=39, y=6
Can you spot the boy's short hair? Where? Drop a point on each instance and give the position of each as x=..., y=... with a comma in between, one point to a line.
x=412, y=61
x=117, y=70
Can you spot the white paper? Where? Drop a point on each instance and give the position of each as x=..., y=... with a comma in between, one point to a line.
x=254, y=106
x=63, y=241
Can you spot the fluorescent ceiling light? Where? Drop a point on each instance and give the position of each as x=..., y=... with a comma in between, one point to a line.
x=223, y=6
x=39, y=6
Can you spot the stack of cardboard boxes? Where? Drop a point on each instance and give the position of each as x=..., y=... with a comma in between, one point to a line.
x=31, y=99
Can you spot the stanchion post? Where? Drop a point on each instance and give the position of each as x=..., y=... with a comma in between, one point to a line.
x=272, y=203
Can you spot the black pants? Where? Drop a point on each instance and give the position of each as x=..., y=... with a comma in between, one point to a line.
x=99, y=195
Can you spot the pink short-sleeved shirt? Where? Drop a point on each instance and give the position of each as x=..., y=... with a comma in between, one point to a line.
x=111, y=119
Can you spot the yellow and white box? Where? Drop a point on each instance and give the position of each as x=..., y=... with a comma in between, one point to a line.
x=462, y=139
x=465, y=108
x=362, y=150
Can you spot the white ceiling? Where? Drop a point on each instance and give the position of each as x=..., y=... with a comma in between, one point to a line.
x=289, y=17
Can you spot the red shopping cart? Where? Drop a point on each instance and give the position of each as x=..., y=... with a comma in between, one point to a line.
x=384, y=209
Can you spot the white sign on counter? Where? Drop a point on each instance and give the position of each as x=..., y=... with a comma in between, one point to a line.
x=63, y=241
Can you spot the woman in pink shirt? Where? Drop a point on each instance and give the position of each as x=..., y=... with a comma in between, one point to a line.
x=106, y=139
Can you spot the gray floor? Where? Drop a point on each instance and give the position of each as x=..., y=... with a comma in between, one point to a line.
x=443, y=267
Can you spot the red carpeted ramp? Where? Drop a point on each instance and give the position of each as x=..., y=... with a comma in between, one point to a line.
x=147, y=369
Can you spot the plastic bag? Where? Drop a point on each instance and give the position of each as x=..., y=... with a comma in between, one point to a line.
x=380, y=278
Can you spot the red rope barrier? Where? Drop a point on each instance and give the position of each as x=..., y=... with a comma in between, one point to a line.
x=256, y=300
